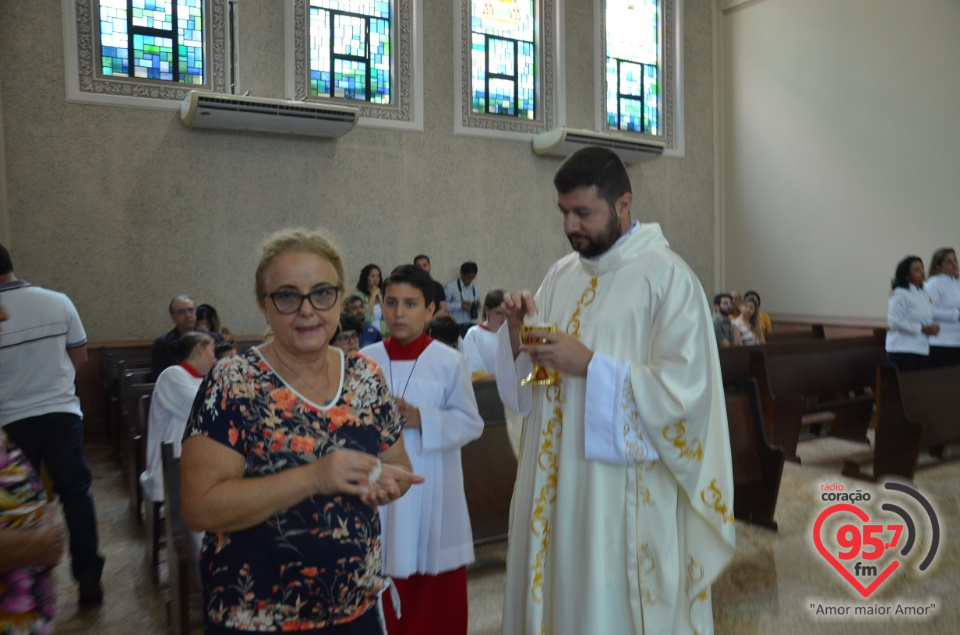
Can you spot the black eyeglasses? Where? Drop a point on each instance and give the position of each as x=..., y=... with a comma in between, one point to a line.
x=289, y=301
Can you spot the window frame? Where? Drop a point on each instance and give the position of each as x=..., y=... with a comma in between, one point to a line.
x=407, y=77
x=549, y=86
x=84, y=84
x=670, y=73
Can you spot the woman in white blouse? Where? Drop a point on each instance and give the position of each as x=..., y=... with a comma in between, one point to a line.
x=910, y=317
x=751, y=331
x=943, y=285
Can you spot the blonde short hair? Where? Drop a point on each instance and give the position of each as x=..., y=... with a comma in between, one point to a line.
x=308, y=241
x=189, y=341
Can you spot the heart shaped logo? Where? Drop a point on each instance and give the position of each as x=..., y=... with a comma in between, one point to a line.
x=854, y=538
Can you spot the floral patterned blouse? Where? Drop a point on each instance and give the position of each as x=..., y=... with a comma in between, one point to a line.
x=26, y=594
x=316, y=564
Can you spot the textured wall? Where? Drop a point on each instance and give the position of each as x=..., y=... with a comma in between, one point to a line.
x=123, y=208
x=841, y=149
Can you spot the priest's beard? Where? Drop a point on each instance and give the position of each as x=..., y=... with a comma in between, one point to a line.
x=593, y=246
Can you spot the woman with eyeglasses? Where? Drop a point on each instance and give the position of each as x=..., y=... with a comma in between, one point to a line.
x=291, y=447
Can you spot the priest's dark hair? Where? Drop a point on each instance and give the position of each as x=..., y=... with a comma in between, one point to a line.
x=594, y=166
x=415, y=277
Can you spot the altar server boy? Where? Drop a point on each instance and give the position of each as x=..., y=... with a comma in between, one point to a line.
x=427, y=541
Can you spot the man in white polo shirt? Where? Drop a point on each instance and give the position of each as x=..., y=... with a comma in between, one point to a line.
x=41, y=347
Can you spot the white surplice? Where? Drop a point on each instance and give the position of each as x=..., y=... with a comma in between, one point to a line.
x=623, y=509
x=170, y=405
x=427, y=531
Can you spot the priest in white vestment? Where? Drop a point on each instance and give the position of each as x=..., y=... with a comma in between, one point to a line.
x=622, y=514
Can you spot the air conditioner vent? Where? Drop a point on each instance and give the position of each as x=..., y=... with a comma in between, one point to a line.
x=234, y=112
x=564, y=142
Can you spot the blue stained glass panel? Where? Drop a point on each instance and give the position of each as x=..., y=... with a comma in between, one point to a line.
x=501, y=100
x=177, y=57
x=503, y=57
x=350, y=79
x=633, y=57
x=478, y=69
x=349, y=40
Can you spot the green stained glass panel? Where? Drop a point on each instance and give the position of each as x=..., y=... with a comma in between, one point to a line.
x=176, y=55
x=503, y=58
x=632, y=61
x=350, y=49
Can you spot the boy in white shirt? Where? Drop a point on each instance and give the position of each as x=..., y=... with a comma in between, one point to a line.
x=427, y=540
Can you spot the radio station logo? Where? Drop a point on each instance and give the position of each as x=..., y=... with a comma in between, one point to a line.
x=866, y=545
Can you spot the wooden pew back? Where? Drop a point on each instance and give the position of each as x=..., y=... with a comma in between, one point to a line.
x=735, y=361
x=489, y=469
x=757, y=466
x=182, y=557
x=791, y=385
x=820, y=372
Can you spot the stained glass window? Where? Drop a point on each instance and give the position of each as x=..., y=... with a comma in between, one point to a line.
x=503, y=58
x=350, y=49
x=152, y=39
x=633, y=63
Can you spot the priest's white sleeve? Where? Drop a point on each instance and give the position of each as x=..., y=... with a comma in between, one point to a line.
x=613, y=430
x=515, y=397
x=457, y=421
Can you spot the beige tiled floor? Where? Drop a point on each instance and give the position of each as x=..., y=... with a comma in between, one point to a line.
x=769, y=588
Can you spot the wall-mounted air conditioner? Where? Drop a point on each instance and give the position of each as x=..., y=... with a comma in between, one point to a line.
x=235, y=112
x=564, y=142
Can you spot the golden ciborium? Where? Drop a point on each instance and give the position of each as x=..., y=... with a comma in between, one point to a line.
x=540, y=375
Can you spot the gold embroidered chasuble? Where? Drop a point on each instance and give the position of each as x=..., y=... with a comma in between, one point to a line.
x=597, y=547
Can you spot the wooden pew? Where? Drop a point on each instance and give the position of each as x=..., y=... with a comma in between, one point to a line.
x=792, y=385
x=113, y=365
x=132, y=387
x=916, y=412
x=757, y=466
x=489, y=469
x=183, y=561
x=152, y=510
x=735, y=360
x=816, y=331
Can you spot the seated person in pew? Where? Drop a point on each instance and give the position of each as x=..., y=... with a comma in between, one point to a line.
x=208, y=319
x=445, y=330
x=170, y=405
x=355, y=307
x=427, y=538
x=347, y=338
x=224, y=349
x=748, y=323
x=911, y=317
x=737, y=301
x=726, y=333
x=480, y=343
x=762, y=316
x=183, y=312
